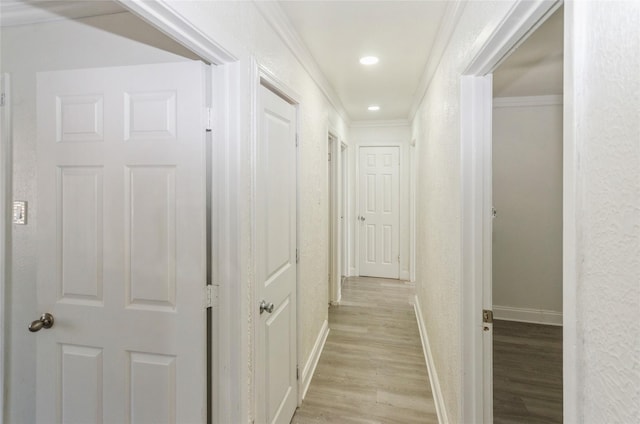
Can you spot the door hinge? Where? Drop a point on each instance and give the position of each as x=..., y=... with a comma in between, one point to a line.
x=297, y=255
x=297, y=139
x=329, y=157
x=297, y=372
x=209, y=113
x=494, y=212
x=2, y=97
x=211, y=296
x=487, y=316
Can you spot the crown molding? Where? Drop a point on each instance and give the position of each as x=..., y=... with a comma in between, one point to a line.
x=525, y=101
x=452, y=15
x=279, y=21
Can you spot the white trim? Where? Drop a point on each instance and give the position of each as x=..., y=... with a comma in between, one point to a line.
x=310, y=367
x=475, y=102
x=162, y=16
x=232, y=154
x=524, y=17
x=277, y=18
x=5, y=227
x=527, y=101
x=535, y=316
x=405, y=275
x=475, y=139
x=438, y=396
x=448, y=25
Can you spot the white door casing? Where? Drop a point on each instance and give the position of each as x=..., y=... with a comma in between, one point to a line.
x=379, y=217
x=121, y=255
x=275, y=226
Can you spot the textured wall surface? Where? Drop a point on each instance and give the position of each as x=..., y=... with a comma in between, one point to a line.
x=241, y=27
x=436, y=128
x=92, y=42
x=527, y=194
x=604, y=100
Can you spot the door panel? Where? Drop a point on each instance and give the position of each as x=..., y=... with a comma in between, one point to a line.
x=276, y=383
x=379, y=216
x=121, y=256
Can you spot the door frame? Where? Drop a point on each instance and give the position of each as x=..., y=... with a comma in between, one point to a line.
x=344, y=213
x=263, y=77
x=6, y=166
x=228, y=162
x=476, y=105
x=401, y=157
x=334, y=191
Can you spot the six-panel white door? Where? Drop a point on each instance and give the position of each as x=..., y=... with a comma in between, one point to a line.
x=121, y=254
x=275, y=224
x=379, y=218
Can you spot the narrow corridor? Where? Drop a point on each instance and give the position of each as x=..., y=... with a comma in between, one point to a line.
x=372, y=368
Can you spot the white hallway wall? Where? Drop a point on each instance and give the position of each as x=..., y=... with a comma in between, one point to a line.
x=602, y=243
x=602, y=231
x=241, y=28
x=436, y=129
x=27, y=49
x=527, y=194
x=367, y=133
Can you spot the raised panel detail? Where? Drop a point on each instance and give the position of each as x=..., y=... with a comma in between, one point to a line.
x=386, y=244
x=79, y=118
x=278, y=180
x=150, y=116
x=371, y=193
x=152, y=388
x=371, y=160
x=80, y=215
x=82, y=384
x=387, y=194
x=387, y=160
x=371, y=243
x=150, y=229
x=278, y=357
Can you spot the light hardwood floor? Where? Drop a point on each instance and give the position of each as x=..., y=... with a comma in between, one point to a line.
x=372, y=368
x=527, y=373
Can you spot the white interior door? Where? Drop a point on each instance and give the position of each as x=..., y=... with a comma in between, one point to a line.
x=379, y=217
x=275, y=215
x=121, y=255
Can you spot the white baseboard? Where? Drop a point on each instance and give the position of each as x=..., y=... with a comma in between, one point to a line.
x=536, y=316
x=438, y=397
x=314, y=357
x=352, y=272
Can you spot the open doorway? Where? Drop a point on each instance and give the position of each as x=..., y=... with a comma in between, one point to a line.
x=527, y=142
x=53, y=43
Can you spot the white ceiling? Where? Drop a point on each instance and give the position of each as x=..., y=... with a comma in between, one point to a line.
x=400, y=33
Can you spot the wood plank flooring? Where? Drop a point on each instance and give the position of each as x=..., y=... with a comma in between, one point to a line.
x=372, y=369
x=527, y=373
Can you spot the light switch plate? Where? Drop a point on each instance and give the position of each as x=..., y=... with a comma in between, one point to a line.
x=20, y=212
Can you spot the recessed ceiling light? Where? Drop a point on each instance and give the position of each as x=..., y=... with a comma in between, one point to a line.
x=369, y=60
x=373, y=108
